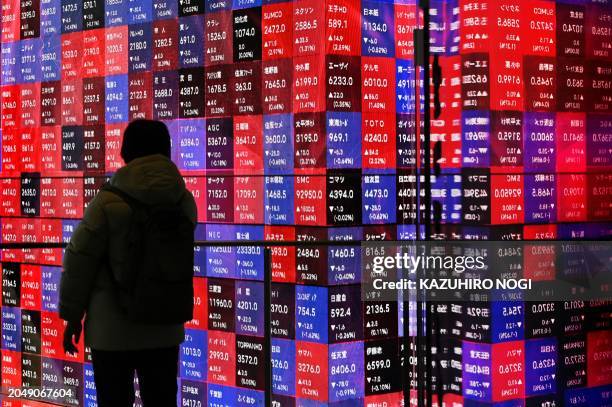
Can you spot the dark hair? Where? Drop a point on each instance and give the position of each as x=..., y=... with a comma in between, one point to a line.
x=145, y=137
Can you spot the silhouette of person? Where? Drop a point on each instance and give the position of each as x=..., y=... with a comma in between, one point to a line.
x=98, y=248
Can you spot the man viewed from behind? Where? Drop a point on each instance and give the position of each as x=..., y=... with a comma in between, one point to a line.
x=128, y=269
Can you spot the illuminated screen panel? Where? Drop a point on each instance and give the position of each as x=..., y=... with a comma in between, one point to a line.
x=297, y=120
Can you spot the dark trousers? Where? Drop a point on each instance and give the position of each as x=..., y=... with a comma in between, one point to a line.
x=156, y=369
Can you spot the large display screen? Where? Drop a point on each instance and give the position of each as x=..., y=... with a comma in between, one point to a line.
x=298, y=120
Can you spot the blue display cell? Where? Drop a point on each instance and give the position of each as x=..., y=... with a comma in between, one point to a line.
x=164, y=9
x=219, y=144
x=194, y=355
x=192, y=393
x=116, y=99
x=311, y=316
x=278, y=144
x=50, y=287
x=72, y=16
x=238, y=4
x=221, y=261
x=540, y=366
x=283, y=366
x=475, y=134
x=346, y=374
x=343, y=262
x=50, y=17
x=199, y=252
x=438, y=28
x=10, y=63
x=404, y=86
x=141, y=42
x=50, y=66
x=453, y=37
x=377, y=28
x=139, y=11
x=343, y=140
x=191, y=144
x=221, y=396
x=115, y=13
x=11, y=328
x=218, y=5
x=249, y=259
x=249, y=311
x=191, y=32
x=29, y=60
x=89, y=388
x=539, y=142
x=446, y=189
x=378, y=199
x=68, y=228
x=508, y=321
x=249, y=397
x=278, y=204
x=540, y=198
x=477, y=379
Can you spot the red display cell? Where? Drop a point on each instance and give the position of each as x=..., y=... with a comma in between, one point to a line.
x=140, y=97
x=112, y=141
x=508, y=370
x=598, y=31
x=248, y=145
x=570, y=131
x=11, y=233
x=93, y=52
x=247, y=200
x=218, y=79
x=29, y=146
x=570, y=30
x=197, y=187
x=72, y=57
x=50, y=103
x=599, y=358
x=246, y=88
x=600, y=89
x=475, y=18
x=51, y=231
x=378, y=140
x=310, y=198
x=71, y=198
x=11, y=368
x=405, y=23
x=389, y=399
x=116, y=53
x=200, y=305
x=93, y=101
x=540, y=35
x=540, y=232
x=30, y=104
x=10, y=197
x=283, y=257
x=308, y=72
x=31, y=289
x=10, y=21
x=11, y=107
x=219, y=199
x=276, y=91
x=572, y=84
x=343, y=22
x=11, y=151
x=308, y=22
x=309, y=137
x=541, y=83
x=506, y=141
x=571, y=198
x=506, y=74
x=165, y=50
x=311, y=371
x=507, y=205
x=539, y=259
x=218, y=44
x=72, y=102
x=221, y=358
x=600, y=196
x=377, y=82
x=277, y=30
x=52, y=327
x=29, y=229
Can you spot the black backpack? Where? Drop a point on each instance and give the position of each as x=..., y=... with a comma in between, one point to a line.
x=156, y=284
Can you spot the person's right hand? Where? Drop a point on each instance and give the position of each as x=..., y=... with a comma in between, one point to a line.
x=72, y=332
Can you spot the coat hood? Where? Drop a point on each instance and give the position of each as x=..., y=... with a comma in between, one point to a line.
x=153, y=179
